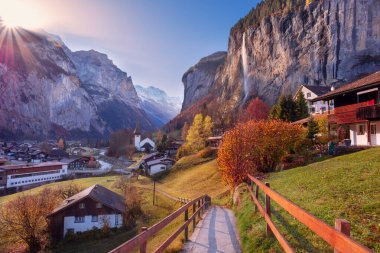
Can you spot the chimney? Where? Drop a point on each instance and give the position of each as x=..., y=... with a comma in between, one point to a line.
x=332, y=88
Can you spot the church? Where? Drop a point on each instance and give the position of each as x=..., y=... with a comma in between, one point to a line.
x=145, y=145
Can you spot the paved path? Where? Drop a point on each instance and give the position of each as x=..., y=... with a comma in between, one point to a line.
x=216, y=233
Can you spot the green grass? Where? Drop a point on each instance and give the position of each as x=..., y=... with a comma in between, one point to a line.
x=346, y=187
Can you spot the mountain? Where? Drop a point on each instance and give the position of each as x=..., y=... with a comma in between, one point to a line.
x=48, y=90
x=159, y=107
x=273, y=51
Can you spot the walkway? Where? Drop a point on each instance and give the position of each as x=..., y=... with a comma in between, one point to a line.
x=216, y=233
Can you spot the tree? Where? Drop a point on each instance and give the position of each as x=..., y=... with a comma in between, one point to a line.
x=122, y=143
x=207, y=127
x=256, y=110
x=61, y=143
x=301, y=107
x=285, y=109
x=68, y=190
x=255, y=147
x=312, y=128
x=163, y=144
x=194, y=136
x=25, y=219
x=184, y=131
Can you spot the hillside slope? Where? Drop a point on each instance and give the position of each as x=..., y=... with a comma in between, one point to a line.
x=346, y=187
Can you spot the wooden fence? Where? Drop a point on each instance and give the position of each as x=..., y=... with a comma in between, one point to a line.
x=338, y=237
x=198, y=207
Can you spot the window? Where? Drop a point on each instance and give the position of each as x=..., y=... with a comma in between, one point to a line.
x=81, y=205
x=162, y=168
x=361, y=130
x=94, y=218
x=308, y=94
x=98, y=205
x=373, y=129
x=79, y=219
x=116, y=219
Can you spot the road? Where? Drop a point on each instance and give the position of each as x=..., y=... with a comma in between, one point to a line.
x=215, y=233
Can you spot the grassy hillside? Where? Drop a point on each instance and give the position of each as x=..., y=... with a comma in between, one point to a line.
x=346, y=187
x=191, y=177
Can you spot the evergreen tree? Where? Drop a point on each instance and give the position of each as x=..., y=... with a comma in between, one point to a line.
x=285, y=109
x=301, y=107
x=312, y=128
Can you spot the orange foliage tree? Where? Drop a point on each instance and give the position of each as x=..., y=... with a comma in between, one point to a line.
x=255, y=147
x=256, y=110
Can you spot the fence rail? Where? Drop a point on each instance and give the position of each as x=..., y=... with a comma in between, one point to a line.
x=338, y=237
x=198, y=207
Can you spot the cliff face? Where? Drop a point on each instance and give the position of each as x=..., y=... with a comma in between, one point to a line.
x=328, y=43
x=47, y=90
x=199, y=79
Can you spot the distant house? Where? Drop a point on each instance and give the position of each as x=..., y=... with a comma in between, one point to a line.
x=215, y=141
x=146, y=144
x=75, y=163
x=158, y=165
x=57, y=154
x=311, y=92
x=357, y=110
x=91, y=208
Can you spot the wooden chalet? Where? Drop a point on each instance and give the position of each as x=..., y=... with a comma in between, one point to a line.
x=357, y=107
x=91, y=208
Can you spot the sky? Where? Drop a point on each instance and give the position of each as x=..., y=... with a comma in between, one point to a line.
x=154, y=41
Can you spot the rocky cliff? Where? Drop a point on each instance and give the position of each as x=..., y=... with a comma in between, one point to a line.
x=327, y=43
x=199, y=79
x=47, y=90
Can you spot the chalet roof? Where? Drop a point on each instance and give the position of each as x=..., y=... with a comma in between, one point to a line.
x=70, y=160
x=97, y=193
x=364, y=82
x=30, y=165
x=318, y=90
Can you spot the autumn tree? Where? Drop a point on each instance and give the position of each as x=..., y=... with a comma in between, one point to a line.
x=256, y=110
x=67, y=190
x=194, y=138
x=255, y=147
x=207, y=127
x=122, y=143
x=24, y=219
x=184, y=131
x=61, y=143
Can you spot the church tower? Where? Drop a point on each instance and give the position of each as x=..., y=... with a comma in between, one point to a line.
x=137, y=136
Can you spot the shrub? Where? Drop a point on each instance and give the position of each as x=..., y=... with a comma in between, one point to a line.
x=207, y=153
x=255, y=147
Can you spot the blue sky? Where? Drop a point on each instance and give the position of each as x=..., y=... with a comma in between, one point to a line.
x=154, y=41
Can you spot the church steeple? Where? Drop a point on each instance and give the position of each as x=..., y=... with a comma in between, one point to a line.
x=137, y=129
x=137, y=136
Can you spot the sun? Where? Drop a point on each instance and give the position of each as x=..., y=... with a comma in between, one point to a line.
x=18, y=13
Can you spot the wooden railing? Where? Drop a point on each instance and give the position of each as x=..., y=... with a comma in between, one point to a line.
x=368, y=112
x=346, y=114
x=338, y=237
x=140, y=241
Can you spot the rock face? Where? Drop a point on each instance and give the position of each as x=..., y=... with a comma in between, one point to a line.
x=159, y=107
x=47, y=90
x=199, y=79
x=328, y=43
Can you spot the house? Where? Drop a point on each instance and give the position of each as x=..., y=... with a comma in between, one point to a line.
x=146, y=144
x=75, y=163
x=57, y=154
x=91, y=208
x=159, y=165
x=311, y=92
x=357, y=109
x=26, y=175
x=215, y=141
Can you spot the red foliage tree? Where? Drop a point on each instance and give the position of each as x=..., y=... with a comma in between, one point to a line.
x=256, y=110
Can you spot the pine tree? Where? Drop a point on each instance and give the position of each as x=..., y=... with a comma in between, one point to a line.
x=301, y=107
x=312, y=128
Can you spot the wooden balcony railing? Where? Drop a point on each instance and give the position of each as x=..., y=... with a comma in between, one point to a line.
x=338, y=237
x=346, y=114
x=199, y=205
x=368, y=112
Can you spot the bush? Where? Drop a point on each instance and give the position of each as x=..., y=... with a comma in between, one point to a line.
x=207, y=153
x=255, y=147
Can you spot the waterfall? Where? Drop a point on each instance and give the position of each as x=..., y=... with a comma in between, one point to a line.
x=244, y=58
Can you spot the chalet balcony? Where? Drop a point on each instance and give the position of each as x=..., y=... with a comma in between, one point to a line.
x=370, y=112
x=347, y=114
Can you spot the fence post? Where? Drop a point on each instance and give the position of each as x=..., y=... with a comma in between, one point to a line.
x=267, y=210
x=187, y=227
x=143, y=245
x=195, y=217
x=344, y=227
x=256, y=195
x=199, y=212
